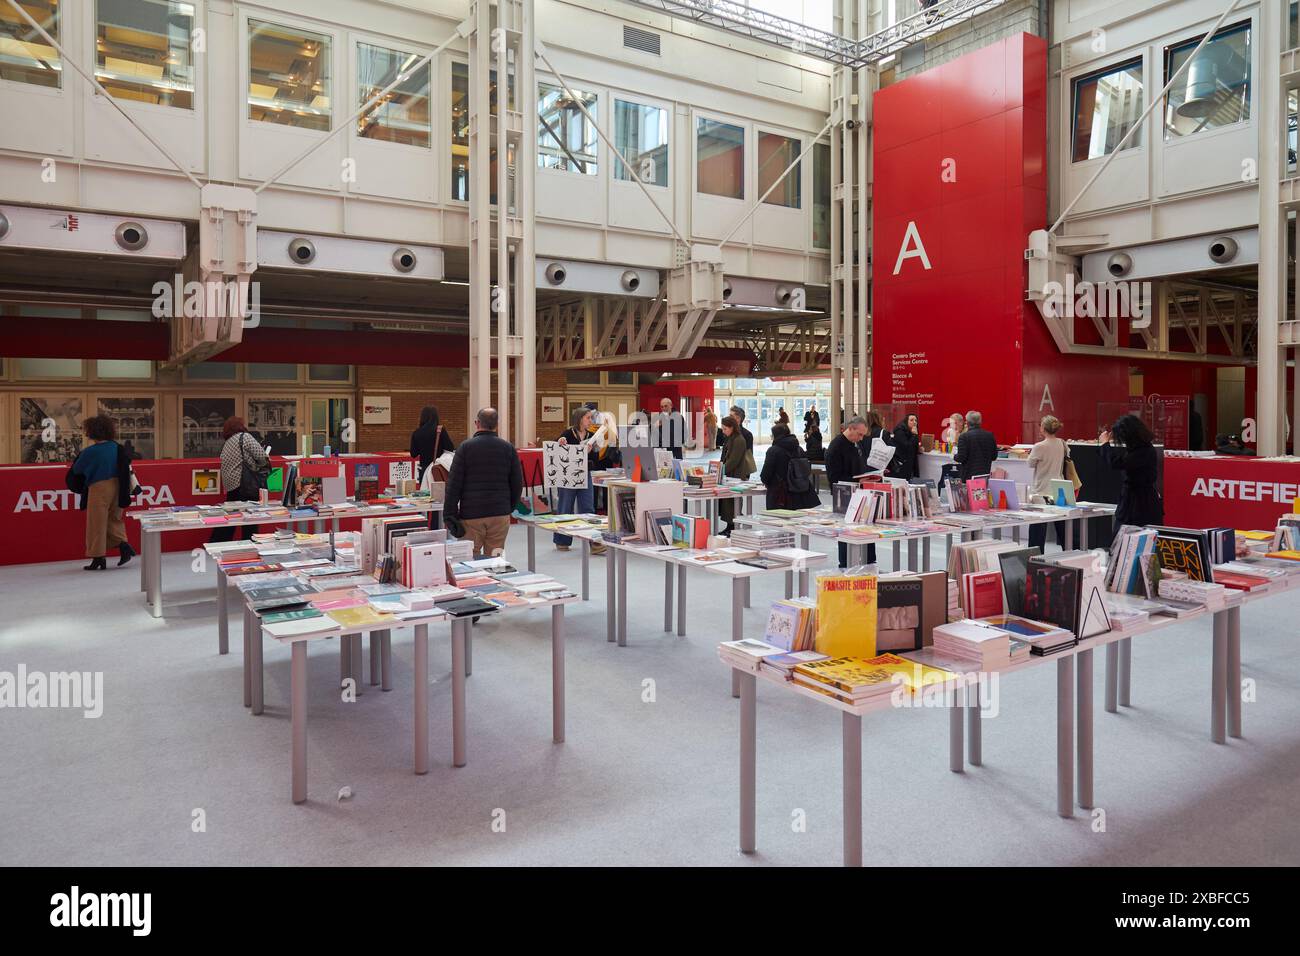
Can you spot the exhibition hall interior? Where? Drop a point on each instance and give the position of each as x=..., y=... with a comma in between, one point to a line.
x=647, y=433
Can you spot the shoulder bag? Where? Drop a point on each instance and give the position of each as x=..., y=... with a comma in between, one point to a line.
x=1068, y=471
x=252, y=478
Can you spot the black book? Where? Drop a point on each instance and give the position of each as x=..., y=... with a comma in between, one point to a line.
x=1186, y=550
x=899, y=613
x=1015, y=567
x=468, y=607
x=841, y=492
x=1052, y=594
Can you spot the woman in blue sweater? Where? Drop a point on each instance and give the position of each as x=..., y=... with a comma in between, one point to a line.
x=104, y=471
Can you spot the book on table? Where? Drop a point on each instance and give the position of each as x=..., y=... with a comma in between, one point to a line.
x=846, y=615
x=1186, y=550
x=970, y=640
x=908, y=608
x=854, y=680
x=791, y=624
x=982, y=593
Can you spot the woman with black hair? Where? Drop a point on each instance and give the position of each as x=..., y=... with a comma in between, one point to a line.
x=1135, y=455
x=907, y=445
x=430, y=441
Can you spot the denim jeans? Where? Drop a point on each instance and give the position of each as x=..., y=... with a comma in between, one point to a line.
x=572, y=501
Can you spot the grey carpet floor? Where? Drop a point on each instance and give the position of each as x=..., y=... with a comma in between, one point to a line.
x=644, y=778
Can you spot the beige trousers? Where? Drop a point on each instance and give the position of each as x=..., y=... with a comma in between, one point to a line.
x=104, y=528
x=488, y=534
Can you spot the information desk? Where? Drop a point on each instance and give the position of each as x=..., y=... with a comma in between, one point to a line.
x=153, y=528
x=1074, y=697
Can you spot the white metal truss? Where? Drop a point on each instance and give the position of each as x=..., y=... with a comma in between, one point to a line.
x=603, y=331
x=780, y=350
x=849, y=51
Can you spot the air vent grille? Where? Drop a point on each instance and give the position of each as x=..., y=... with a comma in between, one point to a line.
x=643, y=40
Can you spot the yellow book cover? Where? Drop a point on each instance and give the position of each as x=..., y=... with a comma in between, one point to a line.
x=1256, y=535
x=846, y=615
x=853, y=675
x=1287, y=555
x=362, y=616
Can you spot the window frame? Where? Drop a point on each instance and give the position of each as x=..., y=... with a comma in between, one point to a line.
x=761, y=129
x=602, y=99
x=195, y=109
x=746, y=128
x=60, y=34
x=356, y=40
x=636, y=99
x=1248, y=25
x=1072, y=109
x=295, y=24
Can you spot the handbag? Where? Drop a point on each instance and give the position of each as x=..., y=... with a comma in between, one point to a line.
x=76, y=483
x=1069, y=472
x=252, y=479
x=440, y=471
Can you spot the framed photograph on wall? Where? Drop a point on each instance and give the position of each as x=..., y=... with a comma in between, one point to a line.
x=136, y=420
x=274, y=422
x=201, y=423
x=49, y=428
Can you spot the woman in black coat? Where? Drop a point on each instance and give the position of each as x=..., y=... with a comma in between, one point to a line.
x=1135, y=455
x=430, y=441
x=907, y=448
x=776, y=467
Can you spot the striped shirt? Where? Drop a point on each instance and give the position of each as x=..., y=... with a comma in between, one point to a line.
x=239, y=447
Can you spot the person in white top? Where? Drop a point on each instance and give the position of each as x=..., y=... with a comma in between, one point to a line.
x=1047, y=459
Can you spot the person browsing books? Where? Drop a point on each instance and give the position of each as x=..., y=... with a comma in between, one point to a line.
x=738, y=414
x=570, y=501
x=1136, y=456
x=907, y=448
x=240, y=450
x=430, y=440
x=977, y=449
x=844, y=462
x=787, y=473
x=735, y=451
x=101, y=474
x=670, y=428
x=484, y=486
x=1047, y=462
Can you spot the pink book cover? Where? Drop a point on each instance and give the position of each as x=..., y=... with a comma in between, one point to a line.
x=982, y=593
x=336, y=601
x=978, y=490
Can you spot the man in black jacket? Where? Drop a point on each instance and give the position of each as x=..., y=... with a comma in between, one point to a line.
x=484, y=486
x=844, y=460
x=977, y=449
x=738, y=414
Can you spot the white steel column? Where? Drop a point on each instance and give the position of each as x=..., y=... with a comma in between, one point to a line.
x=480, y=218
x=525, y=272
x=1271, y=380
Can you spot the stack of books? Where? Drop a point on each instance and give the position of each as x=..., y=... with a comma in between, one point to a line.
x=1041, y=638
x=792, y=624
x=979, y=643
x=784, y=664
x=762, y=539
x=1206, y=593
x=747, y=654
x=857, y=680
x=1131, y=569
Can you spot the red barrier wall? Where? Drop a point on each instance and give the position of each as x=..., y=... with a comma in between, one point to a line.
x=1222, y=492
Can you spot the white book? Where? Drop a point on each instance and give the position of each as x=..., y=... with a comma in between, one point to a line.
x=299, y=626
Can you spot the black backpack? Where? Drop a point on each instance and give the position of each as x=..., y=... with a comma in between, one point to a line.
x=798, y=476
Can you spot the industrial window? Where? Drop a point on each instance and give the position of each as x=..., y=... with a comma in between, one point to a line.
x=719, y=159
x=1214, y=91
x=25, y=57
x=402, y=116
x=271, y=372
x=329, y=373
x=641, y=134
x=124, y=368
x=460, y=132
x=42, y=368
x=289, y=76
x=1106, y=105
x=822, y=195
x=212, y=372
x=775, y=153
x=142, y=51
x=566, y=139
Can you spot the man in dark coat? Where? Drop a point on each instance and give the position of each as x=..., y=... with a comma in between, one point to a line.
x=977, y=449
x=485, y=484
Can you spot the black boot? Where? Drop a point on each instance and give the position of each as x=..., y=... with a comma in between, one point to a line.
x=96, y=564
x=126, y=551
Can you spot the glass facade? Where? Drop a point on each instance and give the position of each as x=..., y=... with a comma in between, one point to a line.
x=566, y=139
x=403, y=115
x=1106, y=105
x=1214, y=91
x=719, y=159
x=775, y=154
x=25, y=57
x=641, y=134
x=289, y=77
x=143, y=51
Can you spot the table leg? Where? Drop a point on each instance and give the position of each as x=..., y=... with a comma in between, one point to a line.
x=1069, y=535
x=737, y=626
x=469, y=646
x=458, y=628
x=925, y=553
x=804, y=542
x=255, y=664
x=1015, y=533
x=1083, y=533
x=974, y=729
x=912, y=545
x=748, y=759
x=1084, y=735
x=1125, y=670
x=345, y=660
x=586, y=568
x=386, y=660
x=746, y=580
x=557, y=673
x=681, y=600
x=622, y=599
x=668, y=598
x=956, y=759
x=1065, y=736
x=611, y=603
x=1219, y=679
x=144, y=561
x=532, y=546
x=248, y=657
x=223, y=614
x=1234, y=672
x=851, y=730
x=376, y=638
x=298, y=718
x=153, y=547
x=421, y=678
x=898, y=561
x=789, y=585
x=1112, y=677
x=354, y=668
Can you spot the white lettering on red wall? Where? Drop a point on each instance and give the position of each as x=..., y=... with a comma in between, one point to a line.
x=1233, y=489
x=61, y=499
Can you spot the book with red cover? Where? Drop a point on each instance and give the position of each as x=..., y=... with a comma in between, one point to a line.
x=1238, y=581
x=978, y=490
x=982, y=594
